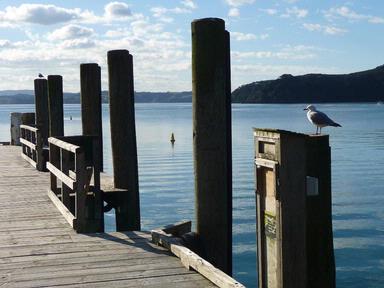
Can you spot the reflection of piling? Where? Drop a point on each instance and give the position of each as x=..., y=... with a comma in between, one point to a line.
x=212, y=139
x=41, y=106
x=90, y=97
x=55, y=103
x=123, y=138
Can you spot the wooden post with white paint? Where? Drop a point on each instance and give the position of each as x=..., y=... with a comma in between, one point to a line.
x=293, y=203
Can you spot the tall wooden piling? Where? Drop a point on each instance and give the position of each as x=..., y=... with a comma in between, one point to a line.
x=90, y=96
x=123, y=138
x=41, y=106
x=55, y=104
x=212, y=139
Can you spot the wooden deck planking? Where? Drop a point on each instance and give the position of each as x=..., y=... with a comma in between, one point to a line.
x=38, y=248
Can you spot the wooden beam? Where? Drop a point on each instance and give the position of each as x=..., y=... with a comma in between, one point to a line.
x=27, y=143
x=29, y=160
x=64, y=145
x=193, y=261
x=63, y=210
x=61, y=176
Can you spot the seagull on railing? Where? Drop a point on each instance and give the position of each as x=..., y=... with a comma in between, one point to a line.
x=319, y=119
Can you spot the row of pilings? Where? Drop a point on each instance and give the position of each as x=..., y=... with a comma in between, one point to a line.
x=211, y=132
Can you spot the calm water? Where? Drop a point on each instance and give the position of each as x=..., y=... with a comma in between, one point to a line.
x=166, y=176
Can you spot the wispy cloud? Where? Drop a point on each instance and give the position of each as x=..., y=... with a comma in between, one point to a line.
x=269, y=11
x=234, y=5
x=347, y=13
x=326, y=29
x=238, y=3
x=295, y=12
x=238, y=36
x=70, y=31
x=299, y=52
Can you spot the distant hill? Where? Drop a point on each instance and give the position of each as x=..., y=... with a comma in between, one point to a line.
x=365, y=86
x=27, y=97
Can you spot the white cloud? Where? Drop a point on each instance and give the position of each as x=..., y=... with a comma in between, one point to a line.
x=238, y=36
x=78, y=43
x=346, y=13
x=117, y=10
x=5, y=43
x=295, y=12
x=71, y=31
x=269, y=11
x=288, y=52
x=234, y=12
x=326, y=29
x=238, y=3
x=189, y=4
x=39, y=14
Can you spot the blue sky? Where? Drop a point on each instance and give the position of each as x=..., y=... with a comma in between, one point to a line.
x=268, y=38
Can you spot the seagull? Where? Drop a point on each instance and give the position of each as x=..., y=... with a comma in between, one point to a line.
x=319, y=119
x=41, y=75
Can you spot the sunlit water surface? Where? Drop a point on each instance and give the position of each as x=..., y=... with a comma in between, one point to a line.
x=166, y=176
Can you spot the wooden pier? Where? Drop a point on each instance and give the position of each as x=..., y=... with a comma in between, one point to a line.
x=38, y=248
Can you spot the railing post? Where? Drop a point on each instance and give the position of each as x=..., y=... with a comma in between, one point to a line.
x=90, y=96
x=55, y=100
x=54, y=159
x=40, y=165
x=41, y=104
x=212, y=139
x=123, y=138
x=81, y=197
x=65, y=165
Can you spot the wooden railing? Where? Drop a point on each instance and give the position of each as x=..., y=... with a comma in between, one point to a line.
x=32, y=146
x=74, y=167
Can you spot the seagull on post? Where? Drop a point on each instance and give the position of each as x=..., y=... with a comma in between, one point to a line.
x=319, y=119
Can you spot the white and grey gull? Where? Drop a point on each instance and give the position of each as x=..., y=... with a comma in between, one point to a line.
x=319, y=119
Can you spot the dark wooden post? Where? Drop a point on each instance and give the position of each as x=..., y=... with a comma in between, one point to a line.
x=320, y=255
x=90, y=95
x=123, y=138
x=41, y=106
x=212, y=139
x=55, y=102
x=28, y=118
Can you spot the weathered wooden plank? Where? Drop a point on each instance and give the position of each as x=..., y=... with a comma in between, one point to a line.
x=61, y=176
x=192, y=260
x=63, y=210
x=63, y=145
x=30, y=128
x=29, y=160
